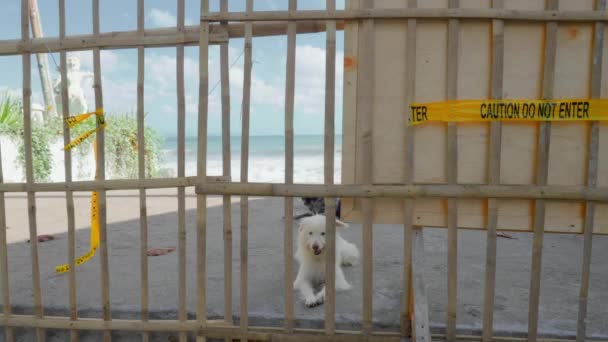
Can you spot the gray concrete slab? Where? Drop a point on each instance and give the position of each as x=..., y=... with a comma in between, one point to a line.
x=559, y=294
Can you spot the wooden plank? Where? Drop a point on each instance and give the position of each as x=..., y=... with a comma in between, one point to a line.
x=493, y=177
x=100, y=175
x=181, y=172
x=422, y=331
x=366, y=107
x=226, y=171
x=328, y=166
x=408, y=203
x=289, y=110
x=141, y=162
x=69, y=195
x=541, y=175
x=114, y=184
x=419, y=13
x=410, y=191
x=452, y=173
x=156, y=37
x=29, y=171
x=201, y=172
x=592, y=172
x=248, y=63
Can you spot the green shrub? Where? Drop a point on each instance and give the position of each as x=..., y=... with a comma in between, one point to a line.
x=120, y=142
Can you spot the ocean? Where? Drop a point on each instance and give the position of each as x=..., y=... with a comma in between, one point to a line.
x=266, y=158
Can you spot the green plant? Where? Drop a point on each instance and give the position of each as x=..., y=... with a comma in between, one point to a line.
x=121, y=146
x=10, y=112
x=42, y=158
x=120, y=142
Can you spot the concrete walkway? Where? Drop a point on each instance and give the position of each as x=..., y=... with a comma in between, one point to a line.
x=559, y=292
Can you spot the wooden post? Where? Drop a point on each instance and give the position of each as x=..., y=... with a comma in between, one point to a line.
x=141, y=150
x=365, y=103
x=408, y=203
x=226, y=169
x=100, y=174
x=592, y=169
x=328, y=166
x=29, y=170
x=181, y=172
x=494, y=176
x=244, y=321
x=422, y=331
x=289, y=107
x=452, y=172
x=5, y=284
x=69, y=195
x=542, y=166
x=201, y=199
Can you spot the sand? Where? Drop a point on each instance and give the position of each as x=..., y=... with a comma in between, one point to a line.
x=559, y=293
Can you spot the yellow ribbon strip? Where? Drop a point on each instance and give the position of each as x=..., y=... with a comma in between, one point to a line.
x=76, y=119
x=509, y=110
x=72, y=121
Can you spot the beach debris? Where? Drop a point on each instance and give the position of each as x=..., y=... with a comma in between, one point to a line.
x=44, y=238
x=505, y=235
x=160, y=251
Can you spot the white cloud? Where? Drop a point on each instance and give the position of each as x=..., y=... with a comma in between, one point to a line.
x=310, y=79
x=162, y=18
x=109, y=60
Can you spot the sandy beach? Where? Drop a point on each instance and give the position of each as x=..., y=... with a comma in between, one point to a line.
x=559, y=292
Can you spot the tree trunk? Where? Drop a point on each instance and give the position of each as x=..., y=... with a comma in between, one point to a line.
x=43, y=69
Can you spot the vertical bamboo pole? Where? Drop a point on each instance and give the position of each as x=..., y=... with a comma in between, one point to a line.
x=29, y=170
x=541, y=174
x=100, y=174
x=181, y=171
x=227, y=222
x=408, y=173
x=452, y=172
x=141, y=149
x=289, y=105
x=69, y=195
x=494, y=176
x=365, y=103
x=328, y=165
x=201, y=199
x=43, y=64
x=422, y=331
x=592, y=169
x=244, y=321
x=5, y=284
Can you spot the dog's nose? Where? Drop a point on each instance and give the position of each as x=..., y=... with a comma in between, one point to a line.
x=315, y=247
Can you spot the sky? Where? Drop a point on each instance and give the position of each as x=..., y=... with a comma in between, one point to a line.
x=119, y=67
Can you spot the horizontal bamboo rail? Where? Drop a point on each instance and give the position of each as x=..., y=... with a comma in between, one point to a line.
x=157, y=37
x=415, y=13
x=115, y=184
x=408, y=191
x=219, y=328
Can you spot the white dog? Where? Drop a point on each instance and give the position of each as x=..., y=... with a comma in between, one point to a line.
x=311, y=256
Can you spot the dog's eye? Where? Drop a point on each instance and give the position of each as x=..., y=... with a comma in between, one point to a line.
x=309, y=233
x=323, y=233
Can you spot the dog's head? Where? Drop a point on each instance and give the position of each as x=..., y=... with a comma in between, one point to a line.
x=312, y=233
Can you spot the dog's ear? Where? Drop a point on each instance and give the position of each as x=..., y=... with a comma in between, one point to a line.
x=340, y=224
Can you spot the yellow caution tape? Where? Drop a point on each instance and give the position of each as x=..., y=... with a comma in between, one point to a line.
x=94, y=237
x=509, y=110
x=75, y=120
x=94, y=240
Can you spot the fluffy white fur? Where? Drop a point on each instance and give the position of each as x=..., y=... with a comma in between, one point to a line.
x=311, y=256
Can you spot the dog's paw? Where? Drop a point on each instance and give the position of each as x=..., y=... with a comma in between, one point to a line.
x=311, y=302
